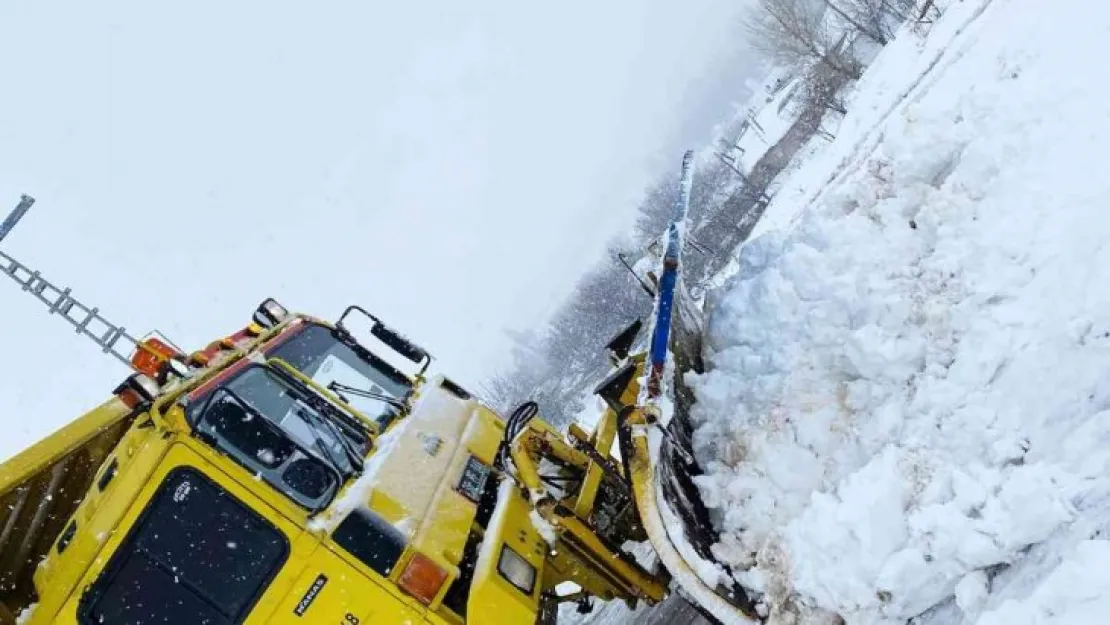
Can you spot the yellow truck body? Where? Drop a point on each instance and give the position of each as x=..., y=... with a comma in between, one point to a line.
x=259, y=489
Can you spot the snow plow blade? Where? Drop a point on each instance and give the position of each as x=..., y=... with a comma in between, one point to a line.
x=722, y=603
x=657, y=448
x=39, y=490
x=658, y=461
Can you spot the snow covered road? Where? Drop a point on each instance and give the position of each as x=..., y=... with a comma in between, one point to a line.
x=908, y=406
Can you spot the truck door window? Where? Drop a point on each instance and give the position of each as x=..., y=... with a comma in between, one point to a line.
x=236, y=424
x=196, y=556
x=265, y=426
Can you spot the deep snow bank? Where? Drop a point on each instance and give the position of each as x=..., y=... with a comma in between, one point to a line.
x=910, y=384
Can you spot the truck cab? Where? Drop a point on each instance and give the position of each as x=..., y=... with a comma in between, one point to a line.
x=295, y=475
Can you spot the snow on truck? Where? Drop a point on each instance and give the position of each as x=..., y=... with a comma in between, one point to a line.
x=302, y=471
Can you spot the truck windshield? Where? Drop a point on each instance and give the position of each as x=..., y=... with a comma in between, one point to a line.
x=377, y=389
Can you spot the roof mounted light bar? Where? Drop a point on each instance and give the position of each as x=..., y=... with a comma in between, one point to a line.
x=270, y=313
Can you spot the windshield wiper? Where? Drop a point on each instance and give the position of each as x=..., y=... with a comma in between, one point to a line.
x=320, y=444
x=340, y=389
x=354, y=458
x=317, y=404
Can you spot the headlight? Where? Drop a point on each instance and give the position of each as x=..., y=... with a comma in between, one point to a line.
x=513, y=567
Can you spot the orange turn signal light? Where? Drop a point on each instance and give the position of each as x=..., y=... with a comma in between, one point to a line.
x=422, y=579
x=130, y=398
x=136, y=390
x=150, y=356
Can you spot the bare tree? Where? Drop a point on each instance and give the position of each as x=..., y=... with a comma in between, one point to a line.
x=902, y=10
x=657, y=207
x=930, y=5
x=504, y=390
x=877, y=19
x=866, y=26
x=822, y=88
x=796, y=33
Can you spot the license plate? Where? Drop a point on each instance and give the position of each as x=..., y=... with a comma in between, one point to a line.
x=473, y=481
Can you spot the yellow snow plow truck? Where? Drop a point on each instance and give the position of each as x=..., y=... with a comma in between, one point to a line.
x=302, y=471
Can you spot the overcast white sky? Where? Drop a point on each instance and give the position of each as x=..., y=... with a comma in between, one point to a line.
x=454, y=166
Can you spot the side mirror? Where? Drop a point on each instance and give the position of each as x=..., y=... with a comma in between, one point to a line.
x=399, y=343
x=390, y=337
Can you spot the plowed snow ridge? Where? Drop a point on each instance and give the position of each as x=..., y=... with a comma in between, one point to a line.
x=908, y=407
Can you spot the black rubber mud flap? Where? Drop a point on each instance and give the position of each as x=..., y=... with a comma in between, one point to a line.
x=682, y=495
x=549, y=610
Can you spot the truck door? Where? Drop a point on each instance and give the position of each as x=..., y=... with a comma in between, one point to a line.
x=203, y=549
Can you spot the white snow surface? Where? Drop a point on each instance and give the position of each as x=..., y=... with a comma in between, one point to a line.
x=1076, y=593
x=907, y=409
x=759, y=123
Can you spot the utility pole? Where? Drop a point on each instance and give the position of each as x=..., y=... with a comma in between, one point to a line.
x=25, y=203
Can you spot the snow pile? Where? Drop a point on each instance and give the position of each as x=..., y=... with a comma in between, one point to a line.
x=1077, y=593
x=904, y=70
x=911, y=385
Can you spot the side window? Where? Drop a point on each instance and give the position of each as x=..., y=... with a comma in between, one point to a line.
x=196, y=556
x=371, y=539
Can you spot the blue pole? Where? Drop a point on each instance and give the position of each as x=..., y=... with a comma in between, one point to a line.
x=665, y=300
x=25, y=203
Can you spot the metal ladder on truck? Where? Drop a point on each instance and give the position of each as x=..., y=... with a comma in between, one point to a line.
x=87, y=321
